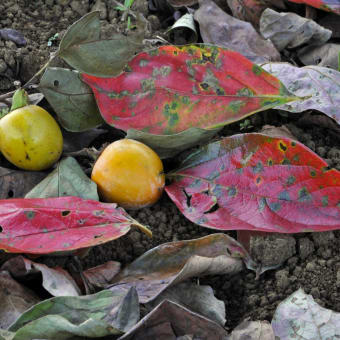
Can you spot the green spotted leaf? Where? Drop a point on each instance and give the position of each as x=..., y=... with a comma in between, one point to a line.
x=256, y=182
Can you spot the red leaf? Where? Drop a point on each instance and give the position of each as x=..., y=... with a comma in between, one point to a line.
x=46, y=225
x=326, y=5
x=171, y=89
x=257, y=182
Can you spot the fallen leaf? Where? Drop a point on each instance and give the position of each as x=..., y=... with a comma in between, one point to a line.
x=71, y=99
x=90, y=316
x=48, y=225
x=170, y=320
x=219, y=28
x=56, y=281
x=169, y=145
x=67, y=179
x=247, y=10
x=183, y=31
x=319, y=85
x=16, y=183
x=80, y=140
x=326, y=5
x=198, y=299
x=171, y=89
x=174, y=262
x=290, y=30
x=256, y=182
x=100, y=276
x=326, y=55
x=253, y=330
x=82, y=48
x=299, y=317
x=15, y=299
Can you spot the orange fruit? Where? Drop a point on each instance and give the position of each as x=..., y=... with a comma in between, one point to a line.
x=130, y=174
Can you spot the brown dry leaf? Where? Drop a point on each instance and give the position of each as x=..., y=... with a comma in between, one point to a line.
x=247, y=10
x=100, y=276
x=56, y=281
x=197, y=298
x=326, y=55
x=277, y=131
x=253, y=330
x=14, y=298
x=169, y=320
x=251, y=10
x=289, y=30
x=221, y=29
x=16, y=183
x=174, y=262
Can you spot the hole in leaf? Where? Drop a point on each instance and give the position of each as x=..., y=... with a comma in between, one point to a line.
x=10, y=193
x=97, y=236
x=1, y=229
x=212, y=209
x=65, y=213
x=56, y=83
x=188, y=198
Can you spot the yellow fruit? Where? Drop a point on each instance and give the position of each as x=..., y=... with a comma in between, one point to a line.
x=30, y=138
x=130, y=174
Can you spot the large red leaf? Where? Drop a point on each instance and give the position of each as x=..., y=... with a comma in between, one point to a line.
x=46, y=225
x=257, y=182
x=326, y=5
x=171, y=89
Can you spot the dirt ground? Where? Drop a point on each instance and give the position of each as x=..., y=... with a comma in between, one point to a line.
x=312, y=260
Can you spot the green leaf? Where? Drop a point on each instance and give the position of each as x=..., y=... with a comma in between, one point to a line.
x=83, y=49
x=97, y=315
x=85, y=29
x=71, y=99
x=68, y=179
x=169, y=145
x=102, y=58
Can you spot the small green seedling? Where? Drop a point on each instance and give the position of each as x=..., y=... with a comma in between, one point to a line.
x=125, y=9
x=52, y=39
x=246, y=125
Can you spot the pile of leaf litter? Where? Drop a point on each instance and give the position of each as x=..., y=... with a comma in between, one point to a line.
x=201, y=122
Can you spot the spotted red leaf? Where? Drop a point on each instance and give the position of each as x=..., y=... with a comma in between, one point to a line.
x=171, y=89
x=326, y=5
x=46, y=225
x=257, y=182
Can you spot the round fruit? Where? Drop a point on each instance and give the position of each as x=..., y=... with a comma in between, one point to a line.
x=30, y=138
x=129, y=173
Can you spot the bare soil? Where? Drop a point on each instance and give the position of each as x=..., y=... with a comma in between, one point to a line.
x=312, y=260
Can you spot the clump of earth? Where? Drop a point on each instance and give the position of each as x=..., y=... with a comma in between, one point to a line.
x=312, y=260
